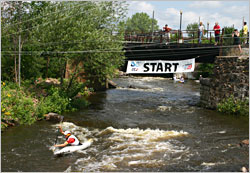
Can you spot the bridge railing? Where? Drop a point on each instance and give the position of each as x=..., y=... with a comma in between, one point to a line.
x=183, y=36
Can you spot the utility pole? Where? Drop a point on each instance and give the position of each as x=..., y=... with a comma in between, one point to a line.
x=19, y=62
x=180, y=33
x=207, y=28
x=199, y=21
x=19, y=52
x=180, y=19
x=153, y=24
x=0, y=46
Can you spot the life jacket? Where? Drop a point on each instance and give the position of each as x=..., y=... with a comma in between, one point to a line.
x=76, y=142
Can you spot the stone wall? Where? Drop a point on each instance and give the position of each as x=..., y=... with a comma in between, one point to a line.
x=231, y=77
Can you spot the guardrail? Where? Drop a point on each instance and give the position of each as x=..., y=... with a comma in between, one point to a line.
x=183, y=36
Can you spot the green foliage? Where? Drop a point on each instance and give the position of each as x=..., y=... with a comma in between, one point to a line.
x=79, y=103
x=59, y=100
x=16, y=105
x=68, y=27
x=16, y=17
x=192, y=30
x=227, y=38
x=205, y=69
x=54, y=102
x=140, y=23
x=20, y=105
x=234, y=106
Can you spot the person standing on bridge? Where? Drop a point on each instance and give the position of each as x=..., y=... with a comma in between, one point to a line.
x=236, y=36
x=245, y=32
x=201, y=32
x=167, y=33
x=216, y=33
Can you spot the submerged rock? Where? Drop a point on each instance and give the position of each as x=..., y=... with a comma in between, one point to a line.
x=111, y=84
x=54, y=117
x=244, y=143
x=138, y=87
x=164, y=108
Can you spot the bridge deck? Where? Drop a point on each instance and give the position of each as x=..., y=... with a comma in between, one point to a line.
x=156, y=51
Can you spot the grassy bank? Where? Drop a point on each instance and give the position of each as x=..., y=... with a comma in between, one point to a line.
x=32, y=100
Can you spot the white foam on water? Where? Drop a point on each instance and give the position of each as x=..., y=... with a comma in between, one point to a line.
x=164, y=108
x=132, y=147
x=151, y=78
x=222, y=132
x=208, y=165
x=142, y=89
x=81, y=132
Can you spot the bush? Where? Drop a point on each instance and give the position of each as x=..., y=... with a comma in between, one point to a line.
x=58, y=101
x=16, y=105
x=20, y=105
x=234, y=106
x=54, y=102
x=205, y=69
x=79, y=103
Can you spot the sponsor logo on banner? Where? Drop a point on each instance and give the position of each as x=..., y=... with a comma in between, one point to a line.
x=134, y=66
x=188, y=66
x=161, y=66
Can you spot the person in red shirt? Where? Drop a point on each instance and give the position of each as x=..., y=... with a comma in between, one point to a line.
x=167, y=32
x=216, y=33
x=70, y=139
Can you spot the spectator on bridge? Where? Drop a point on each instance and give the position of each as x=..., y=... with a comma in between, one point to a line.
x=201, y=32
x=236, y=36
x=167, y=30
x=216, y=33
x=245, y=32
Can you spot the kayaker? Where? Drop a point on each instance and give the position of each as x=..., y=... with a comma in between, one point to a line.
x=182, y=79
x=70, y=139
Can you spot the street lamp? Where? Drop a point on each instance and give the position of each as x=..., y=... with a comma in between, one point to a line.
x=180, y=19
x=207, y=28
x=180, y=35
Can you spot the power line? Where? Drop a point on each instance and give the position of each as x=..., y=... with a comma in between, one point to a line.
x=61, y=52
x=31, y=18
x=74, y=42
x=28, y=29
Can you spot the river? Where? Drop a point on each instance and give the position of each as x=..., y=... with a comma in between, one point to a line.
x=146, y=124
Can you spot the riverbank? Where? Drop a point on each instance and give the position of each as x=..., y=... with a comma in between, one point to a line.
x=30, y=102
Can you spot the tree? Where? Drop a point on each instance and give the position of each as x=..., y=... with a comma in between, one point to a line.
x=140, y=23
x=85, y=34
x=227, y=38
x=192, y=30
x=17, y=19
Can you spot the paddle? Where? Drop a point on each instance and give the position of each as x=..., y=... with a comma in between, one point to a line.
x=61, y=126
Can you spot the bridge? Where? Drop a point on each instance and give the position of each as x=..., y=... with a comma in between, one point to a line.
x=181, y=46
x=204, y=53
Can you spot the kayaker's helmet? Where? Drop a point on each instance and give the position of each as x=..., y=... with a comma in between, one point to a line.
x=66, y=132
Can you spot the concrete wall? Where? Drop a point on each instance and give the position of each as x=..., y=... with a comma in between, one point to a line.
x=231, y=77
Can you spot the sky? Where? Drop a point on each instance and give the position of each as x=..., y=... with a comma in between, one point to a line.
x=226, y=13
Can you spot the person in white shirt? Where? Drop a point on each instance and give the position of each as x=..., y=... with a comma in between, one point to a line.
x=201, y=32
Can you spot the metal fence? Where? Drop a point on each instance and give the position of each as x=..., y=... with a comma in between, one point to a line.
x=183, y=36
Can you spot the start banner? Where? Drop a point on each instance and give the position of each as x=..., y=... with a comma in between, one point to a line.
x=161, y=66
